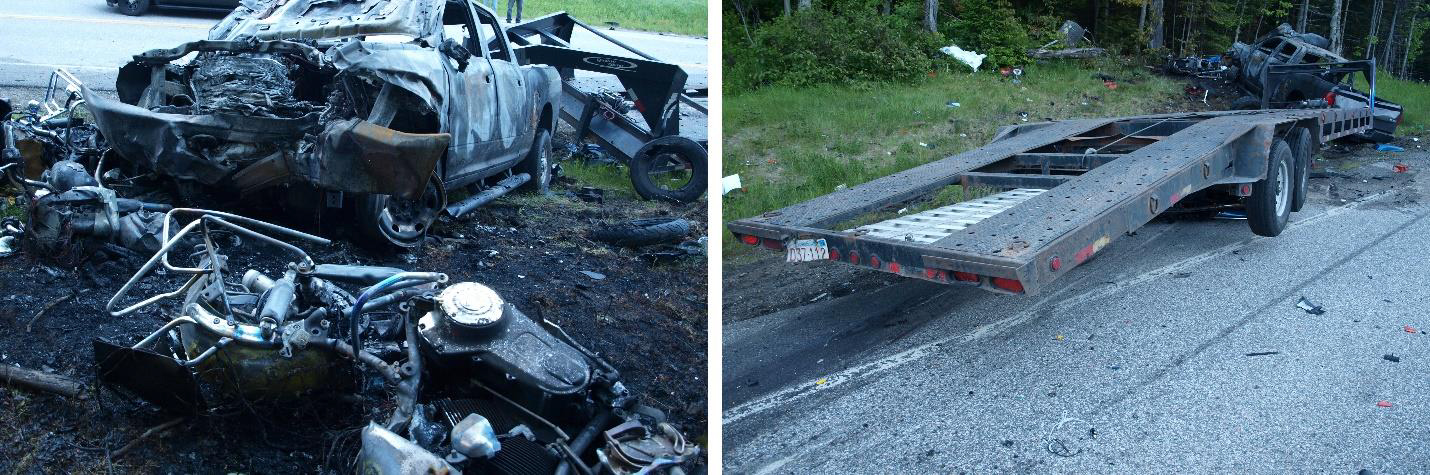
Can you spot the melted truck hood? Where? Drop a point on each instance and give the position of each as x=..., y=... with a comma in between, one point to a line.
x=330, y=19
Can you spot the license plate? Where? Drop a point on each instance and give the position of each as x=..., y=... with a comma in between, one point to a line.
x=804, y=250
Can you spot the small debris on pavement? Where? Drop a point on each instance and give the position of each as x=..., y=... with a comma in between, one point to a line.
x=821, y=381
x=1058, y=338
x=1385, y=147
x=1409, y=329
x=1383, y=404
x=1401, y=168
x=1263, y=353
x=594, y=275
x=1391, y=358
x=1309, y=307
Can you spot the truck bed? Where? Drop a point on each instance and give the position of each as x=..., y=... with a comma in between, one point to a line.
x=1078, y=185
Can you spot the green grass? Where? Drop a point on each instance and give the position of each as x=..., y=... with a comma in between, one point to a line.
x=687, y=17
x=791, y=145
x=613, y=178
x=1413, y=95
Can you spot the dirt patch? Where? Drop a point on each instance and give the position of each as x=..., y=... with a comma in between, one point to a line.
x=648, y=319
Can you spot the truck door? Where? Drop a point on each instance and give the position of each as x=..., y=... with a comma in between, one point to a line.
x=476, y=142
x=515, y=117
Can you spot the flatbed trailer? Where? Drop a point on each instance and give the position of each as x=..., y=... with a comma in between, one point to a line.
x=1073, y=186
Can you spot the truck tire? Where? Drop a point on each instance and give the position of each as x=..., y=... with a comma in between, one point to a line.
x=1305, y=152
x=537, y=164
x=385, y=221
x=643, y=232
x=134, y=7
x=1269, y=206
x=665, y=157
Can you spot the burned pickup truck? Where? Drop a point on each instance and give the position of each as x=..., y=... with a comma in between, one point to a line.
x=377, y=107
x=1287, y=69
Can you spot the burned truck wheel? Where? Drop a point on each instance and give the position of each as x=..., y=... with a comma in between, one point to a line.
x=670, y=168
x=1305, y=153
x=537, y=164
x=385, y=219
x=133, y=7
x=1269, y=206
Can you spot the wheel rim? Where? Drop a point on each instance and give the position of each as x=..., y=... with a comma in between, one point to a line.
x=1283, y=191
x=542, y=161
x=670, y=171
x=404, y=221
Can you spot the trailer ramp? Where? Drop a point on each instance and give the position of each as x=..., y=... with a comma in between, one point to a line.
x=1076, y=186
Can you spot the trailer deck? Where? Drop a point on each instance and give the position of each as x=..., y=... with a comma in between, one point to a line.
x=1076, y=186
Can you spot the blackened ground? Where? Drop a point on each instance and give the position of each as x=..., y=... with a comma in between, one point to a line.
x=648, y=320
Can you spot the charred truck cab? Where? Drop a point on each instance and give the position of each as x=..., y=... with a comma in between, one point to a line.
x=376, y=107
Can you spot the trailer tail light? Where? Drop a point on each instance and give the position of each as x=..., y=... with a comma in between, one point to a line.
x=965, y=277
x=751, y=240
x=854, y=257
x=1330, y=98
x=1008, y=284
x=874, y=262
x=894, y=267
x=833, y=254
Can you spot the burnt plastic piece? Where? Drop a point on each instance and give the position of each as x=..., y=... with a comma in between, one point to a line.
x=153, y=377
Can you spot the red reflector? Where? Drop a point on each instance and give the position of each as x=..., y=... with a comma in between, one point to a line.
x=874, y=262
x=774, y=244
x=930, y=273
x=965, y=277
x=854, y=257
x=1246, y=190
x=1008, y=284
x=833, y=254
x=1330, y=98
x=894, y=267
x=1057, y=263
x=751, y=240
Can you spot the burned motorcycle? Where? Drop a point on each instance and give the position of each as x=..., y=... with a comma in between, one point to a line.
x=475, y=384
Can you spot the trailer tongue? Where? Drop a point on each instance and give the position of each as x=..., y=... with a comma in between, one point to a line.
x=1072, y=187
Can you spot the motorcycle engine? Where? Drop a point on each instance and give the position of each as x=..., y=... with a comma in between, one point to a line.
x=473, y=328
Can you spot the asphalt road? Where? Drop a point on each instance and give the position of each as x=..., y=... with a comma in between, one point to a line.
x=92, y=41
x=1152, y=358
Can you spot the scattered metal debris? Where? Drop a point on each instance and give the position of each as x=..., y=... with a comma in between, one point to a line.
x=1309, y=307
x=1391, y=358
x=439, y=352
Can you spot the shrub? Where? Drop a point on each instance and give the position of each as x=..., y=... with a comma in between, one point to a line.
x=818, y=47
x=989, y=27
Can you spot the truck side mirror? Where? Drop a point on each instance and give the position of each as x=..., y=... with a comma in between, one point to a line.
x=452, y=49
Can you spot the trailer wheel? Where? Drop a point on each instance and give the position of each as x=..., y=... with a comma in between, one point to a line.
x=537, y=164
x=133, y=7
x=1269, y=206
x=387, y=220
x=1305, y=153
x=670, y=168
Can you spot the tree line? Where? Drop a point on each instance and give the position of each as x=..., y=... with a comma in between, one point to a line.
x=1393, y=32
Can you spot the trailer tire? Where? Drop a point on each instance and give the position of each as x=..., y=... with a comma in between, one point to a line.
x=643, y=232
x=1269, y=206
x=1305, y=153
x=134, y=7
x=672, y=150
x=537, y=164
